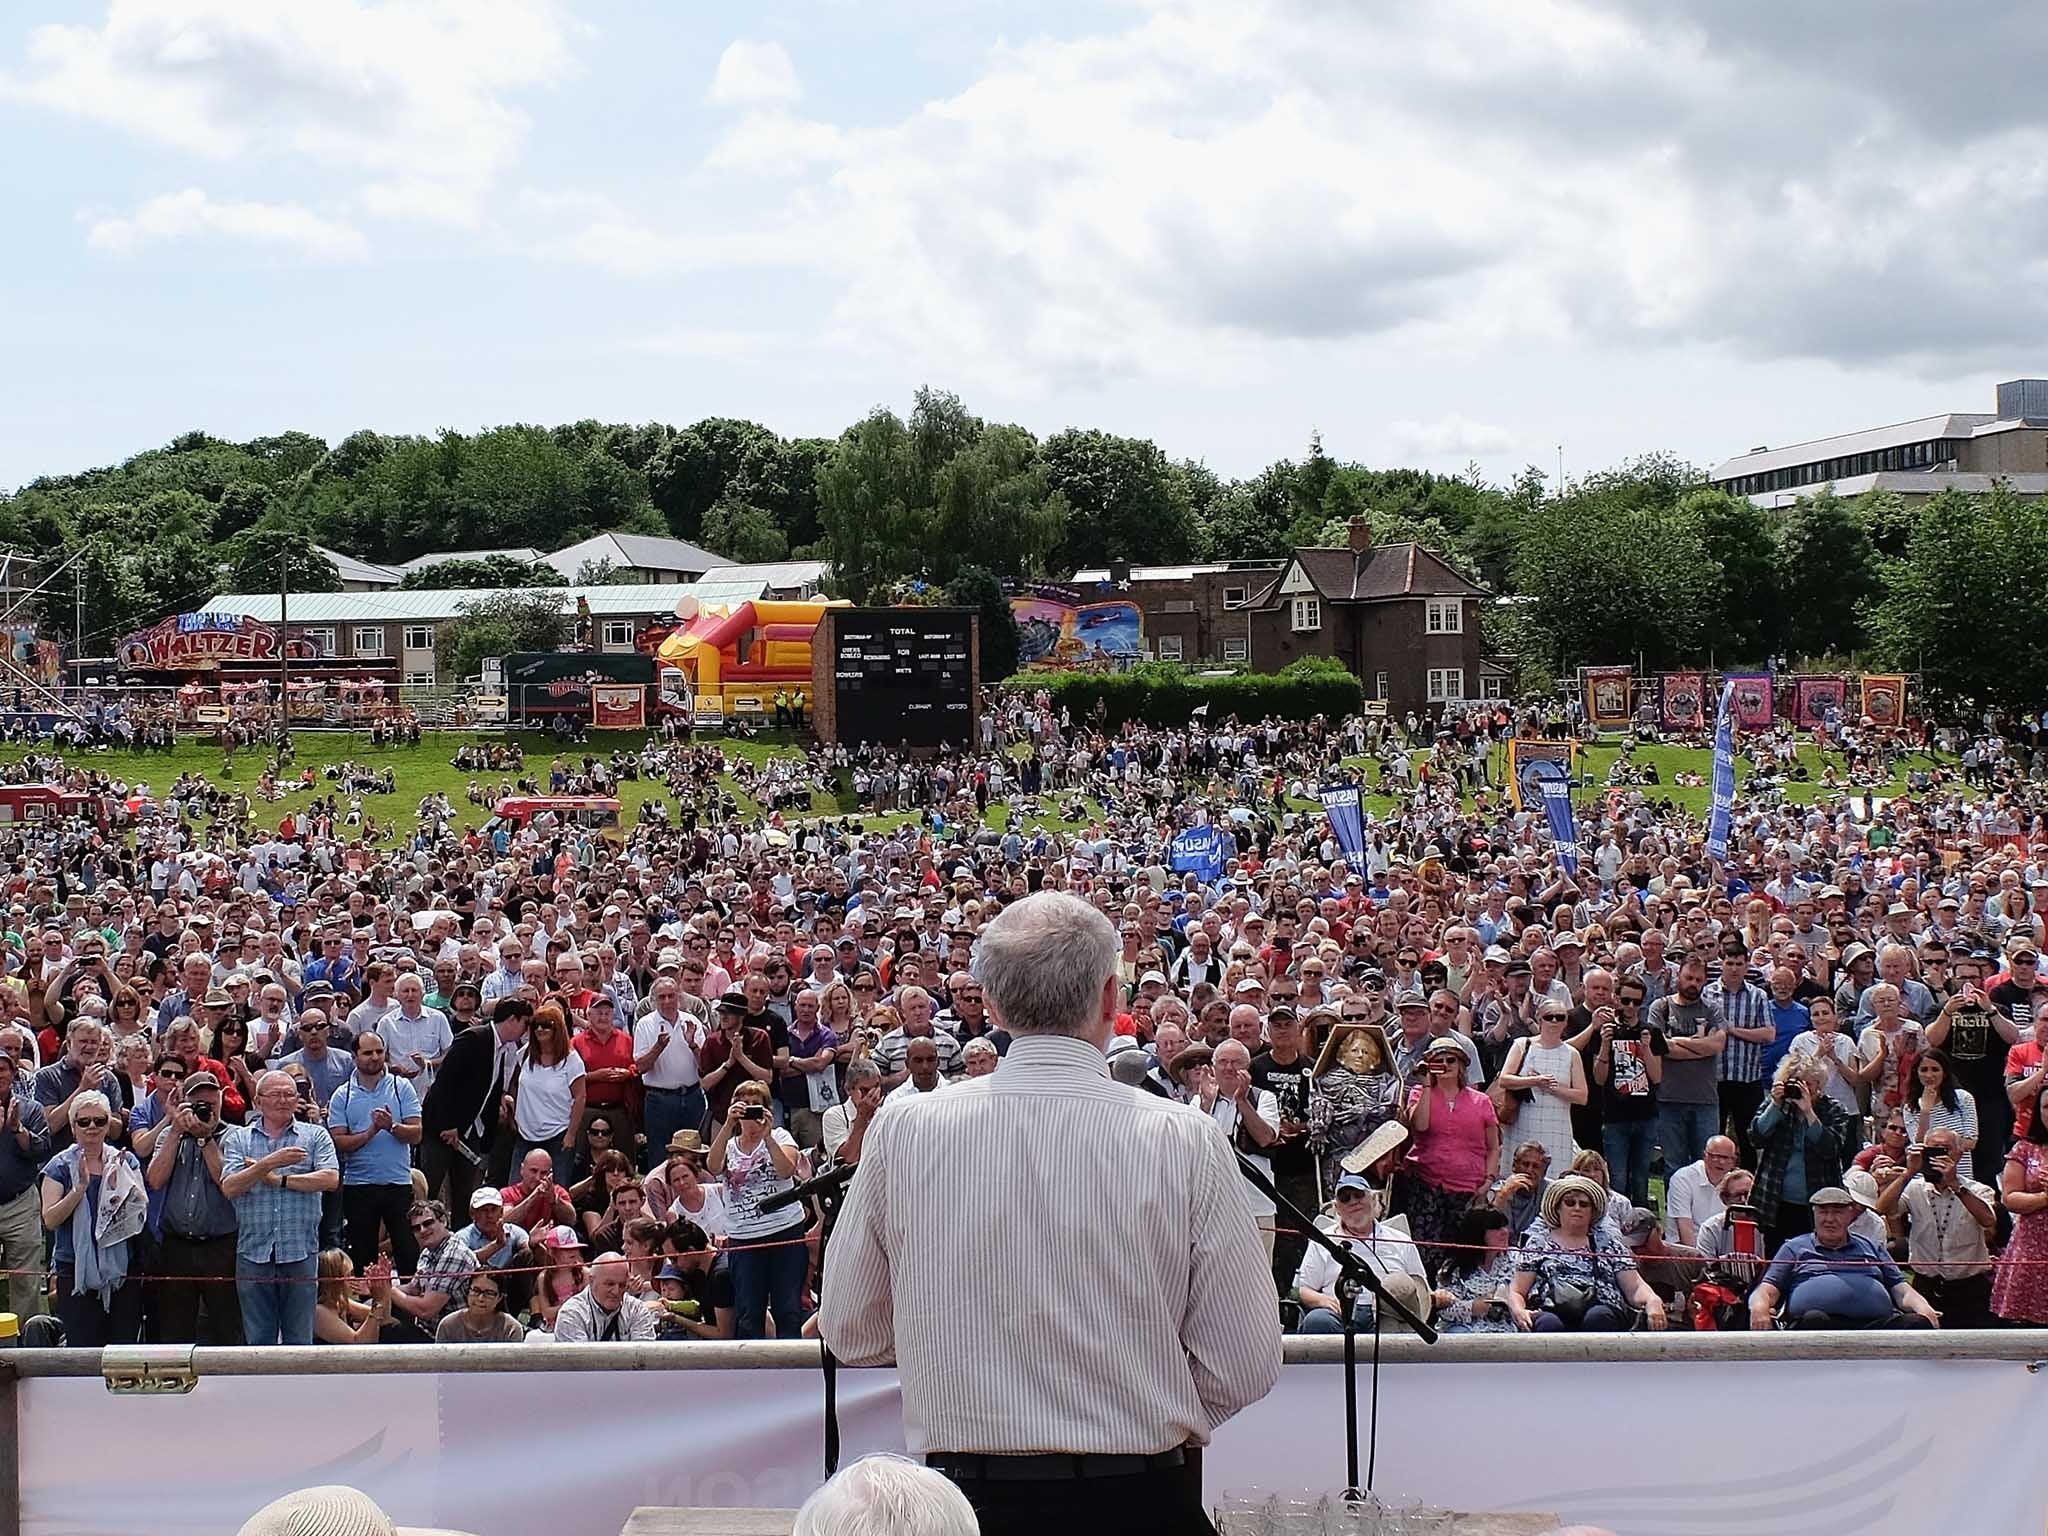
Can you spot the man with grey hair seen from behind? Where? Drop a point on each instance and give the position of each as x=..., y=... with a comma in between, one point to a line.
x=1049, y=1420
x=886, y=1496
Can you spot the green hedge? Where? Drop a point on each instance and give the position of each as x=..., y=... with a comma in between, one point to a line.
x=1162, y=693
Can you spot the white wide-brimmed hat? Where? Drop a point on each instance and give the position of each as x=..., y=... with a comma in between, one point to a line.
x=330, y=1511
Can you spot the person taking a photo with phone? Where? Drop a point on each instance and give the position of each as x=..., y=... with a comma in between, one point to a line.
x=1803, y=1139
x=766, y=1249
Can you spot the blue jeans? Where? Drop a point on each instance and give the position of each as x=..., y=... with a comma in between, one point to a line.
x=1627, y=1144
x=769, y=1274
x=1323, y=1320
x=670, y=1110
x=1683, y=1131
x=277, y=1299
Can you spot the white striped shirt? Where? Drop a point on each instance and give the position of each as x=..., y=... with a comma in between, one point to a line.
x=1056, y=1263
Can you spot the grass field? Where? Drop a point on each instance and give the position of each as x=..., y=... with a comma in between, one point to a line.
x=426, y=769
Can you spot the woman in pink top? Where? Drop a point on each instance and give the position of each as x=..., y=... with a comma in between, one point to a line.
x=1454, y=1150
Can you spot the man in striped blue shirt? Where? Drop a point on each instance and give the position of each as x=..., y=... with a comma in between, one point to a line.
x=1747, y=1008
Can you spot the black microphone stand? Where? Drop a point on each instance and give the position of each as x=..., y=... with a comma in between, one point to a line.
x=826, y=1186
x=1353, y=1275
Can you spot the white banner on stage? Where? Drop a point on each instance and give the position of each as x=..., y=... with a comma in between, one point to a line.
x=1759, y=1448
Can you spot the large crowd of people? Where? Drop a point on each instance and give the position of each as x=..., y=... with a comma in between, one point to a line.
x=275, y=1078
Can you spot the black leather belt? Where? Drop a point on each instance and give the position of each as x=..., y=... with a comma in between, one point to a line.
x=1052, y=1467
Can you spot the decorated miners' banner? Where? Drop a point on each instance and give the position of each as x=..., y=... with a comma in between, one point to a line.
x=1606, y=695
x=1684, y=700
x=1884, y=700
x=1531, y=762
x=1816, y=699
x=1752, y=699
x=618, y=706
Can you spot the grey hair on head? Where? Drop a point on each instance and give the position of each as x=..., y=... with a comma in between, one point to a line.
x=1043, y=964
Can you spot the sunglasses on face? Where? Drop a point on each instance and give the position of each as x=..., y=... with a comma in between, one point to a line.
x=90, y=1122
x=423, y=1224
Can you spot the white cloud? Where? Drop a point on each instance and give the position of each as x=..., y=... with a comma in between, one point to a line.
x=409, y=97
x=1221, y=193
x=1449, y=437
x=750, y=72
x=192, y=215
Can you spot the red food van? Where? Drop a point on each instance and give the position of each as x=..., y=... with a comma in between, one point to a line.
x=44, y=802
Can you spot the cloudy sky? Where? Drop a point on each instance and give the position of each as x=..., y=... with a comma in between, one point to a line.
x=1435, y=230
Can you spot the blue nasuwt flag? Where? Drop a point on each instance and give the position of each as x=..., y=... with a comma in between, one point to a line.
x=1724, y=777
x=1200, y=850
x=1564, y=833
x=1340, y=804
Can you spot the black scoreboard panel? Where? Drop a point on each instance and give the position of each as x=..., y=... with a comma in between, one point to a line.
x=904, y=675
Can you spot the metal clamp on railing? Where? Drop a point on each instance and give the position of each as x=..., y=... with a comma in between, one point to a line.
x=153, y=1369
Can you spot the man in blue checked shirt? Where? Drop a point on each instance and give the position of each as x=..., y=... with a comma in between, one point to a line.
x=275, y=1169
x=1751, y=1029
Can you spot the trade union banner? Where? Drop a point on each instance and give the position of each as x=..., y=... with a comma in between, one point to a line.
x=1884, y=700
x=1606, y=694
x=1198, y=850
x=1684, y=700
x=1752, y=699
x=200, y=642
x=1531, y=762
x=618, y=706
x=1815, y=698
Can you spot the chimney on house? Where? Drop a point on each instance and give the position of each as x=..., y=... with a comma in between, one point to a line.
x=1120, y=575
x=1360, y=540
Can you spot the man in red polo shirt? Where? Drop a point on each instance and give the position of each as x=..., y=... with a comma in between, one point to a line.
x=609, y=1075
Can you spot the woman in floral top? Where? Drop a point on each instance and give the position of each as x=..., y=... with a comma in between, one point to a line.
x=1576, y=1276
x=1477, y=1289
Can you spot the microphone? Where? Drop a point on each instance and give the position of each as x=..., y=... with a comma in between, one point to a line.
x=833, y=1179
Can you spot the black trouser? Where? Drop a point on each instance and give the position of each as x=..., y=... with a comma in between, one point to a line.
x=441, y=1163
x=1166, y=1502
x=1288, y=1244
x=87, y=1324
x=1739, y=1104
x=367, y=1207
x=1964, y=1302
x=198, y=1277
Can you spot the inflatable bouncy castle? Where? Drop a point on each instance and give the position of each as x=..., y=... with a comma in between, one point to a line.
x=735, y=660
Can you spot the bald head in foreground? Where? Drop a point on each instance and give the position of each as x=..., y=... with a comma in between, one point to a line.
x=1114, y=1205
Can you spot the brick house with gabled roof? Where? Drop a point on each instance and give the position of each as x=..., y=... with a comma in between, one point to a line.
x=1396, y=614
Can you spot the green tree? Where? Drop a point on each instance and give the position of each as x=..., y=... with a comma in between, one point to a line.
x=498, y=625
x=868, y=508
x=745, y=534
x=1123, y=501
x=1828, y=575
x=1608, y=582
x=690, y=472
x=1741, y=544
x=478, y=574
x=1959, y=607
x=976, y=587
x=994, y=508
x=255, y=554
x=1251, y=519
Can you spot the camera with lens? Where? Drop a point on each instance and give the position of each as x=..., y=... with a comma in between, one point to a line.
x=1794, y=1092
x=203, y=1113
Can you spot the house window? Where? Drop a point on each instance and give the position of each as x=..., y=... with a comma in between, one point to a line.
x=1236, y=597
x=369, y=640
x=618, y=631
x=1308, y=614
x=1493, y=686
x=419, y=679
x=1379, y=685
x=419, y=637
x=1236, y=648
x=1445, y=616
x=1446, y=684
x=1180, y=605
x=1169, y=647
x=322, y=640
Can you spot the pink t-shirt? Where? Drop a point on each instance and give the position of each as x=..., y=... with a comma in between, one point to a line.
x=1451, y=1154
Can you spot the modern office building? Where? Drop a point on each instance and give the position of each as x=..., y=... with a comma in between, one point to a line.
x=1960, y=450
